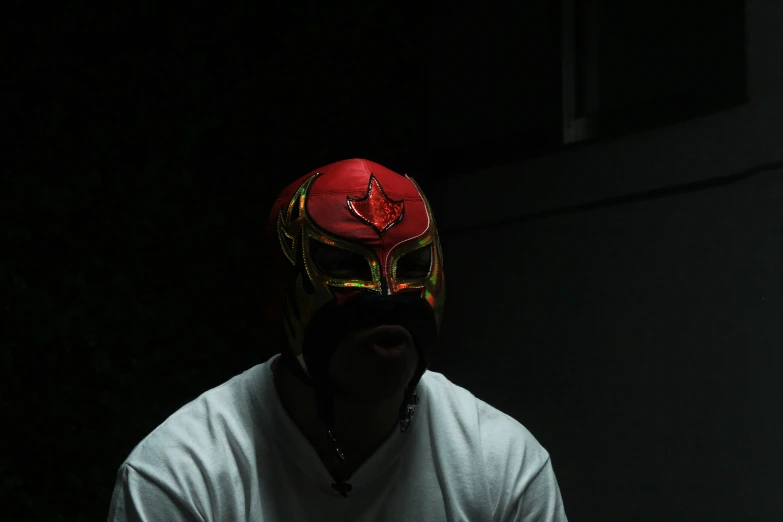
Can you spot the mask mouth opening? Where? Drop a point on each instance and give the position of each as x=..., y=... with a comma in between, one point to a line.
x=388, y=338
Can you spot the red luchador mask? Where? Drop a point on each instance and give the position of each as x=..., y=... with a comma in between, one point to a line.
x=356, y=239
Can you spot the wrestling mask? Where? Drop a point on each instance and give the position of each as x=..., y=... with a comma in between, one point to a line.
x=379, y=227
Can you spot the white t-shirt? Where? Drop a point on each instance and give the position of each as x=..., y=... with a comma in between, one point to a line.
x=234, y=454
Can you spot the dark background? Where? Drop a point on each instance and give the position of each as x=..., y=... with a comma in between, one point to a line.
x=148, y=144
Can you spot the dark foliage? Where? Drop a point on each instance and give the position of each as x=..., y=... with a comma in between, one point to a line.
x=149, y=143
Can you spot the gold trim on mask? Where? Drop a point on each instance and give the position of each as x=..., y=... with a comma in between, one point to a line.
x=302, y=226
x=430, y=283
x=311, y=232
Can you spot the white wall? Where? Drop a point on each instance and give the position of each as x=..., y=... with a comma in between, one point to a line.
x=641, y=344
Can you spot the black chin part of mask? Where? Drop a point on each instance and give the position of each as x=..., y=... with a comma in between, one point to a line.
x=366, y=310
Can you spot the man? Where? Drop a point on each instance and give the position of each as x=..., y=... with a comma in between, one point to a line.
x=347, y=423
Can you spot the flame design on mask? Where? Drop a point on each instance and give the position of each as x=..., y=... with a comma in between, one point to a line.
x=376, y=208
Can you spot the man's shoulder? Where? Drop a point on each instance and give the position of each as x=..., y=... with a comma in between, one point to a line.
x=500, y=435
x=202, y=428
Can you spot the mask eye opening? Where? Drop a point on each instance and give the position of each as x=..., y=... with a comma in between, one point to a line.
x=338, y=263
x=415, y=264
